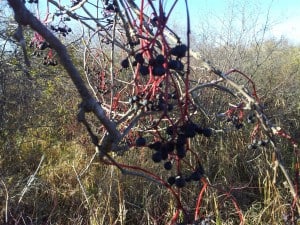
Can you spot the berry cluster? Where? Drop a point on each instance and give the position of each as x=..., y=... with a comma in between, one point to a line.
x=175, y=148
x=49, y=60
x=258, y=143
x=158, y=20
x=236, y=117
x=180, y=180
x=110, y=6
x=159, y=64
x=33, y=1
x=236, y=121
x=162, y=150
x=158, y=103
x=63, y=30
x=251, y=118
x=39, y=45
x=156, y=78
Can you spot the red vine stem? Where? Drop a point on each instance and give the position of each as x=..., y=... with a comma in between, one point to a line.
x=254, y=93
x=200, y=197
x=176, y=195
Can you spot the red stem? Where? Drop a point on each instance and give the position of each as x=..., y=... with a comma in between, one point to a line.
x=200, y=197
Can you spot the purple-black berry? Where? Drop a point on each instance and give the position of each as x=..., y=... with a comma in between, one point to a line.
x=168, y=165
x=140, y=141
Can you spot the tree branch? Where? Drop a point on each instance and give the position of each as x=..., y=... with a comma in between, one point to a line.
x=24, y=17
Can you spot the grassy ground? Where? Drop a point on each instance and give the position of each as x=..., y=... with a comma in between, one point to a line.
x=49, y=173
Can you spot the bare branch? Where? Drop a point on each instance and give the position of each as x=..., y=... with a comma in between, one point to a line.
x=24, y=17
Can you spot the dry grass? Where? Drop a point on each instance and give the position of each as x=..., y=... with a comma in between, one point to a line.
x=73, y=187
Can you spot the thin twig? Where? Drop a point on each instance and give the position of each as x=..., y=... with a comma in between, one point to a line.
x=6, y=200
x=31, y=179
x=81, y=186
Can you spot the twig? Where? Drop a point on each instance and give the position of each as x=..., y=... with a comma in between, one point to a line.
x=112, y=64
x=6, y=200
x=81, y=186
x=88, y=165
x=31, y=179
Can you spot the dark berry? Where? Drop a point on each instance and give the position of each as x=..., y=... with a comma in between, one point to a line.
x=174, y=95
x=139, y=58
x=188, y=179
x=161, y=106
x=159, y=96
x=168, y=165
x=156, y=145
x=150, y=105
x=159, y=60
x=179, y=50
x=181, y=139
x=125, y=63
x=110, y=7
x=175, y=65
x=154, y=21
x=135, y=98
x=140, y=141
x=179, y=182
x=170, y=130
x=198, y=129
x=264, y=143
x=171, y=180
x=252, y=146
x=134, y=63
x=164, y=153
x=130, y=100
x=170, y=107
x=189, y=129
x=43, y=45
x=239, y=126
x=151, y=62
x=207, y=132
x=251, y=117
x=156, y=157
x=196, y=176
x=180, y=150
x=133, y=43
x=158, y=71
x=200, y=169
x=62, y=30
x=169, y=146
x=144, y=70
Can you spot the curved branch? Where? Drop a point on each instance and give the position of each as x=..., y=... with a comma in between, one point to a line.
x=24, y=17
